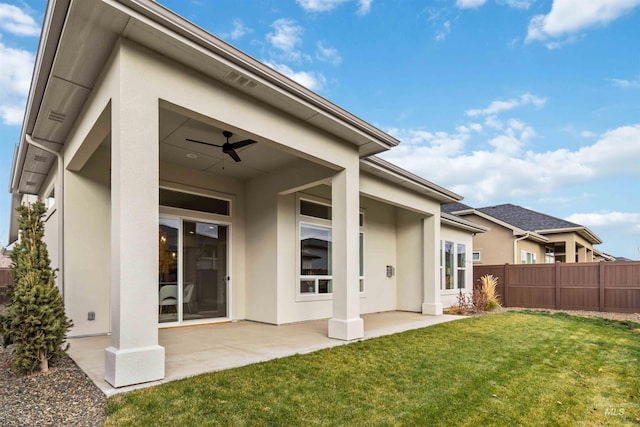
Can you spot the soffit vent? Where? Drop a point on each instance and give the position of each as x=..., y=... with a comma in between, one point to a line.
x=31, y=183
x=241, y=80
x=56, y=116
x=40, y=159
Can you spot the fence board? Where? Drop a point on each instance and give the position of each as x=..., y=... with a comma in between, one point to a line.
x=5, y=281
x=602, y=286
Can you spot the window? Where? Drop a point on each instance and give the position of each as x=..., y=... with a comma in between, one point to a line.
x=549, y=255
x=315, y=249
x=315, y=210
x=194, y=202
x=476, y=256
x=461, y=264
x=315, y=260
x=361, y=262
x=51, y=199
x=527, y=257
x=453, y=265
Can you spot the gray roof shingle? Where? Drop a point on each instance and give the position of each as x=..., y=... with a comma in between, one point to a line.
x=526, y=219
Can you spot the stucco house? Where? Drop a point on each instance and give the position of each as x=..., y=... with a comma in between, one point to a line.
x=288, y=217
x=522, y=236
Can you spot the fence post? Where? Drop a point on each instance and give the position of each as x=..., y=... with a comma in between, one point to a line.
x=601, y=277
x=506, y=285
x=557, y=284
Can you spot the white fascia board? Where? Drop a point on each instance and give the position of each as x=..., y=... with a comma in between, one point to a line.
x=461, y=223
x=398, y=175
x=51, y=32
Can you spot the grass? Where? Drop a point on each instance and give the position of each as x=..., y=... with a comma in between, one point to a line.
x=514, y=368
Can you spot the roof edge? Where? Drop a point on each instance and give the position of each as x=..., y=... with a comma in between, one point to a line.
x=458, y=222
x=407, y=176
x=171, y=20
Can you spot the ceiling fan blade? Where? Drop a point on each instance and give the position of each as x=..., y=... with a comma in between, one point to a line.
x=231, y=152
x=241, y=144
x=204, y=143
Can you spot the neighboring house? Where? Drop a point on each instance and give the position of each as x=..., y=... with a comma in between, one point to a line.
x=150, y=229
x=522, y=236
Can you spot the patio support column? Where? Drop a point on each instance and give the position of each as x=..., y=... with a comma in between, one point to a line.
x=430, y=269
x=346, y=323
x=134, y=355
x=570, y=251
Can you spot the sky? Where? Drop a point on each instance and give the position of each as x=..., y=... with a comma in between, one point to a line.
x=529, y=102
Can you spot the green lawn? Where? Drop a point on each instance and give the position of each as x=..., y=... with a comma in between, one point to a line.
x=515, y=368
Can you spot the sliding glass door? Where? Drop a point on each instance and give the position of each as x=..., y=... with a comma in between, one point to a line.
x=193, y=264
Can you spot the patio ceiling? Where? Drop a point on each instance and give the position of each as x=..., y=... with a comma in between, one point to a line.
x=257, y=159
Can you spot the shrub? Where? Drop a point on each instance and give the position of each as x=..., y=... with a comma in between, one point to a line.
x=485, y=297
x=35, y=320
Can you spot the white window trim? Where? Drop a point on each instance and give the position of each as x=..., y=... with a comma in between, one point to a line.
x=456, y=268
x=315, y=221
x=473, y=256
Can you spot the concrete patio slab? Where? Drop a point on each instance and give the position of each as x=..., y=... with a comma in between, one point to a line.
x=195, y=350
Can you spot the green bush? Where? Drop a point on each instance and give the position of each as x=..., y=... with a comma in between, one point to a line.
x=35, y=320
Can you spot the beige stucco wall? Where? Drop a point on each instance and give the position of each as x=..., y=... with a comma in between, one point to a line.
x=572, y=240
x=409, y=271
x=496, y=245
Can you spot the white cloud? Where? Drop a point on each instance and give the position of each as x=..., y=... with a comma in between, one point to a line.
x=569, y=17
x=444, y=31
x=286, y=37
x=15, y=78
x=364, y=6
x=470, y=4
x=505, y=169
x=238, y=31
x=310, y=79
x=625, y=84
x=517, y=4
x=328, y=54
x=500, y=106
x=15, y=21
x=604, y=219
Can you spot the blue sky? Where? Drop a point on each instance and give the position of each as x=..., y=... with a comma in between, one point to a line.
x=530, y=102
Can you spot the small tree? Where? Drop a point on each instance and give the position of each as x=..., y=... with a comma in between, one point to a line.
x=35, y=321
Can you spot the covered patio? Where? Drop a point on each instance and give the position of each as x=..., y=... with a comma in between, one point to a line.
x=198, y=349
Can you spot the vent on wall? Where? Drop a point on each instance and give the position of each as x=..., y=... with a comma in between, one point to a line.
x=39, y=159
x=241, y=80
x=56, y=116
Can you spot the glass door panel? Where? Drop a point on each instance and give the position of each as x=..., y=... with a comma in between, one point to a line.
x=204, y=272
x=168, y=242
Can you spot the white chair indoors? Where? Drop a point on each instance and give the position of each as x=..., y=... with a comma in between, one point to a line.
x=168, y=296
x=187, y=296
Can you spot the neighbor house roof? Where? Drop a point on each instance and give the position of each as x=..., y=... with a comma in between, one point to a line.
x=525, y=219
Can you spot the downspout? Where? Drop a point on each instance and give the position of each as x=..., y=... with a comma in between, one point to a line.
x=60, y=202
x=515, y=246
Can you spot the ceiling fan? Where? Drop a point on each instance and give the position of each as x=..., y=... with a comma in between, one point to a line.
x=228, y=147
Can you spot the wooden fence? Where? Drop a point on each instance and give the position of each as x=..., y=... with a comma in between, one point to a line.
x=5, y=280
x=594, y=286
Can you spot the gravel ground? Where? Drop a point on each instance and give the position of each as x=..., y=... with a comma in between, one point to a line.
x=65, y=396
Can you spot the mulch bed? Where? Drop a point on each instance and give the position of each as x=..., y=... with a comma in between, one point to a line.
x=64, y=396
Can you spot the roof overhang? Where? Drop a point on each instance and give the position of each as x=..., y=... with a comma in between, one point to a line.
x=456, y=221
x=518, y=232
x=77, y=39
x=392, y=173
x=584, y=232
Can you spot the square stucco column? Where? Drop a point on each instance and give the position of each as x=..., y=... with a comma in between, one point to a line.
x=430, y=268
x=346, y=323
x=134, y=355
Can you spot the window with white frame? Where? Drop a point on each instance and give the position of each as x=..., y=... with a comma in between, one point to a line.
x=315, y=259
x=476, y=256
x=453, y=265
x=549, y=255
x=316, y=277
x=527, y=257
